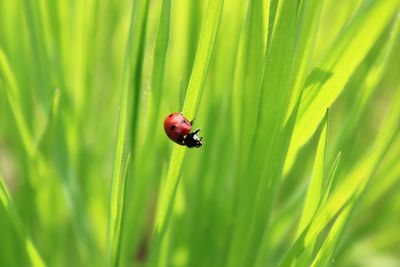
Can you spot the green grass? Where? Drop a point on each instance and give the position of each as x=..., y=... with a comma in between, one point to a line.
x=89, y=178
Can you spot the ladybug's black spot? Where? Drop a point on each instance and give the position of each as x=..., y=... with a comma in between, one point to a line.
x=172, y=127
x=183, y=122
x=170, y=115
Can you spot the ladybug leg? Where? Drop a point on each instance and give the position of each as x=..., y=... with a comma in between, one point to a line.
x=198, y=130
x=191, y=122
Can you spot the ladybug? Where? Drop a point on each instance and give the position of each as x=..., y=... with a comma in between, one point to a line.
x=178, y=128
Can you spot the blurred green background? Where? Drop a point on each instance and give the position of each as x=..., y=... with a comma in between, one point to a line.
x=86, y=84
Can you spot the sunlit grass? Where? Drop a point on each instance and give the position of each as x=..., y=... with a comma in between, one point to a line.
x=89, y=178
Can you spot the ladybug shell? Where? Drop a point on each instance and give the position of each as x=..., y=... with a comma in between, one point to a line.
x=176, y=126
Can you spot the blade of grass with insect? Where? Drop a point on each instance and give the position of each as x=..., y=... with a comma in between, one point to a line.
x=192, y=99
x=31, y=250
x=332, y=74
x=251, y=72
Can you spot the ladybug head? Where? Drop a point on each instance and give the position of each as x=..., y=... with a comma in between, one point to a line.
x=192, y=140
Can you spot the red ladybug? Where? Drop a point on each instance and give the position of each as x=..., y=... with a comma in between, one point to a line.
x=178, y=128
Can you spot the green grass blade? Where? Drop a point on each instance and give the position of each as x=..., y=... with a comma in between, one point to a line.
x=315, y=187
x=14, y=99
x=328, y=79
x=330, y=180
x=118, y=180
x=31, y=250
x=309, y=20
x=160, y=52
x=150, y=101
x=204, y=50
x=55, y=106
x=325, y=253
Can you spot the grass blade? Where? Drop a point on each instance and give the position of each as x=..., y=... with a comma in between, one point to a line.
x=314, y=192
x=14, y=99
x=31, y=250
x=120, y=164
x=325, y=253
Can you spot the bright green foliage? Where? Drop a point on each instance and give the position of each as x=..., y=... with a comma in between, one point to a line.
x=89, y=177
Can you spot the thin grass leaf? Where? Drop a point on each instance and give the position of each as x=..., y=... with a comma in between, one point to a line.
x=315, y=187
x=330, y=180
x=31, y=250
x=118, y=180
x=309, y=20
x=54, y=110
x=150, y=103
x=325, y=254
x=246, y=92
x=14, y=99
x=160, y=53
